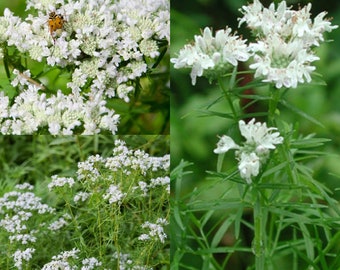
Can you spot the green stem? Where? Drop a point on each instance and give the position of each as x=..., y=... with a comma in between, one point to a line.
x=259, y=233
x=228, y=97
x=273, y=101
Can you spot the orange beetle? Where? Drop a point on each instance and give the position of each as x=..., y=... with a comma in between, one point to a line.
x=55, y=22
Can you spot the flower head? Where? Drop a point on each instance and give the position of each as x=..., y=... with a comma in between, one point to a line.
x=283, y=54
x=255, y=150
x=211, y=56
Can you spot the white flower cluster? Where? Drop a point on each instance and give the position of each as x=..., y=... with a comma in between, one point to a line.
x=212, y=56
x=125, y=263
x=114, y=194
x=81, y=196
x=126, y=161
x=255, y=150
x=106, y=44
x=283, y=54
x=62, y=261
x=60, y=182
x=59, y=114
x=129, y=160
x=61, y=222
x=159, y=181
x=156, y=230
x=20, y=255
x=18, y=208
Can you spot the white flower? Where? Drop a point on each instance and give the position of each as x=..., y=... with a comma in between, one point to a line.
x=60, y=182
x=284, y=64
x=249, y=165
x=21, y=255
x=283, y=53
x=212, y=56
x=155, y=230
x=61, y=222
x=224, y=144
x=287, y=23
x=255, y=150
x=90, y=263
x=113, y=194
x=81, y=196
x=259, y=134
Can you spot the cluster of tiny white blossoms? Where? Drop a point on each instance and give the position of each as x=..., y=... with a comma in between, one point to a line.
x=282, y=54
x=255, y=150
x=64, y=261
x=17, y=210
x=108, y=45
x=21, y=255
x=212, y=56
x=61, y=222
x=126, y=263
x=125, y=178
x=123, y=160
x=60, y=182
x=113, y=194
x=156, y=230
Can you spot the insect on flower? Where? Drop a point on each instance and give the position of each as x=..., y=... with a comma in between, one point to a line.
x=55, y=22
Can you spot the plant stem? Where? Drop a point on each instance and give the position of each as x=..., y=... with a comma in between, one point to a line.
x=273, y=101
x=259, y=233
x=228, y=97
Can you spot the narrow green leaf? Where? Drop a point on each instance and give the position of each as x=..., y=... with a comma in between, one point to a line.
x=222, y=230
x=301, y=113
x=220, y=159
x=238, y=219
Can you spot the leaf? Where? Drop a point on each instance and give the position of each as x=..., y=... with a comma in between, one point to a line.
x=221, y=232
x=220, y=159
x=308, y=142
x=215, y=205
x=301, y=113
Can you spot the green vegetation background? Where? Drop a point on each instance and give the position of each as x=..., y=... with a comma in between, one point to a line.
x=193, y=138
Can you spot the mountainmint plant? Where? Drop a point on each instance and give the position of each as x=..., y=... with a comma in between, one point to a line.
x=271, y=180
x=101, y=48
x=112, y=213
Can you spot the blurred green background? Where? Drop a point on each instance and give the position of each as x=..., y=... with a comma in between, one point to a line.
x=193, y=138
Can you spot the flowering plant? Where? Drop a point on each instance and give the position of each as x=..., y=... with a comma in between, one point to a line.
x=266, y=205
x=83, y=59
x=112, y=212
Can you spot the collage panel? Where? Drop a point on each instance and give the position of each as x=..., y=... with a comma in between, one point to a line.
x=84, y=134
x=84, y=202
x=84, y=67
x=254, y=134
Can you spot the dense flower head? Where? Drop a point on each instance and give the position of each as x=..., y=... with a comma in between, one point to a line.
x=21, y=255
x=156, y=230
x=211, y=56
x=105, y=45
x=287, y=23
x=283, y=53
x=255, y=150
